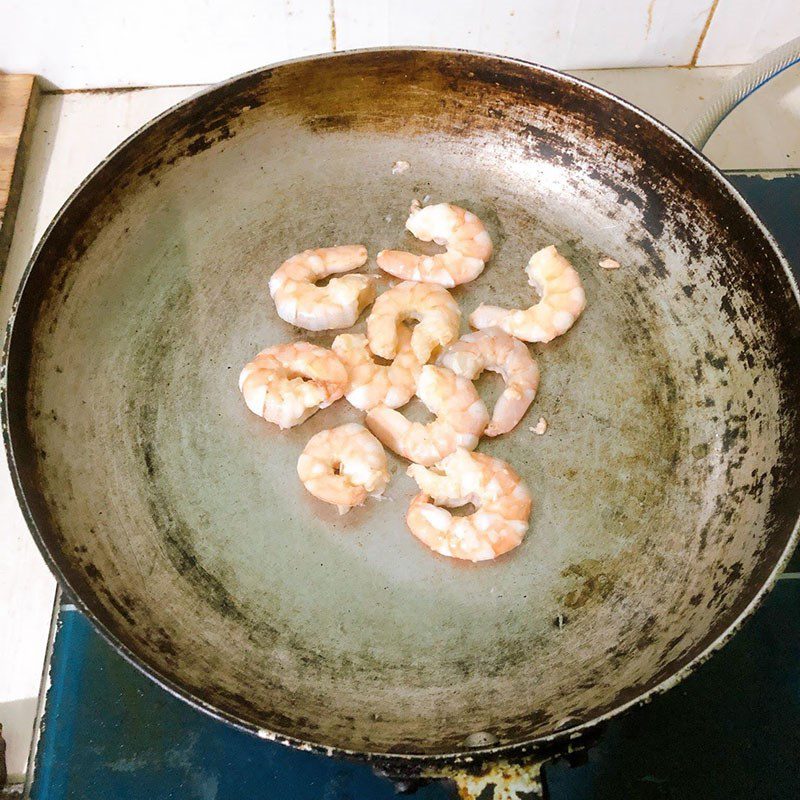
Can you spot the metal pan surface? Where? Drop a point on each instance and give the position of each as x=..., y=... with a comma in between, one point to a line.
x=666, y=489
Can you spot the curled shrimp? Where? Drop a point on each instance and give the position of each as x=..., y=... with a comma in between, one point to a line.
x=372, y=384
x=461, y=418
x=497, y=351
x=287, y=383
x=321, y=308
x=435, y=309
x=460, y=231
x=502, y=501
x=343, y=465
x=562, y=301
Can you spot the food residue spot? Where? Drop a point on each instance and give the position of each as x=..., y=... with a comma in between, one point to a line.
x=540, y=427
x=415, y=206
x=609, y=263
x=426, y=199
x=399, y=167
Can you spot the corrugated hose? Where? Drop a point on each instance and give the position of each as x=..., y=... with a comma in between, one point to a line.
x=740, y=88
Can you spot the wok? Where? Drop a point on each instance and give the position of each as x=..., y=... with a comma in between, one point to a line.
x=666, y=489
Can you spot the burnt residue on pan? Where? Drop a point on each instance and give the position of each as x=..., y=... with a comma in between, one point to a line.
x=665, y=489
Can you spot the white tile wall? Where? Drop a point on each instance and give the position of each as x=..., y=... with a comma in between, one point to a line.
x=570, y=34
x=743, y=30
x=101, y=43
x=91, y=43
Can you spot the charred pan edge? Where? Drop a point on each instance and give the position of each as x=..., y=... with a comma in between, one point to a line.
x=393, y=763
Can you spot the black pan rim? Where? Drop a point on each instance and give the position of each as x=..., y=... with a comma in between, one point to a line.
x=402, y=762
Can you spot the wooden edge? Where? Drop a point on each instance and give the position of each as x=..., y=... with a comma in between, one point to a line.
x=8, y=216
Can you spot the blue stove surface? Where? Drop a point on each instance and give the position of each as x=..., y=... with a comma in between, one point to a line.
x=731, y=730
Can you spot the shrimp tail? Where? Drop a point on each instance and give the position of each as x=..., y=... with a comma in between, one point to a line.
x=509, y=410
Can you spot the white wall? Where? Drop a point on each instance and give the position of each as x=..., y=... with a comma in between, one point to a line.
x=743, y=30
x=107, y=43
x=571, y=34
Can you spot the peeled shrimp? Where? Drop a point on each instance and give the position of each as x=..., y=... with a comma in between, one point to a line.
x=321, y=308
x=372, y=384
x=343, y=465
x=461, y=418
x=468, y=247
x=495, y=350
x=438, y=314
x=287, y=383
x=502, y=501
x=562, y=301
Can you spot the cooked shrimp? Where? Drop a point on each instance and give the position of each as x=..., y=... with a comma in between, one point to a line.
x=502, y=501
x=343, y=465
x=372, y=384
x=321, y=308
x=562, y=301
x=540, y=428
x=499, y=352
x=460, y=231
x=287, y=383
x=438, y=315
x=461, y=418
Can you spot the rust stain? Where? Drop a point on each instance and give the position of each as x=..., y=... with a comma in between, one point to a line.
x=703, y=34
x=597, y=583
x=649, y=18
x=332, y=18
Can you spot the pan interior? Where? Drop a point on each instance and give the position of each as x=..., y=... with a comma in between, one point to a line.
x=176, y=514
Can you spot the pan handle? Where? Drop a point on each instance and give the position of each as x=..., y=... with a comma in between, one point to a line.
x=741, y=87
x=508, y=780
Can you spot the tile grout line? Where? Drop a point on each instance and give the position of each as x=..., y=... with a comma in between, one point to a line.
x=332, y=18
x=124, y=89
x=577, y=72
x=703, y=34
x=778, y=171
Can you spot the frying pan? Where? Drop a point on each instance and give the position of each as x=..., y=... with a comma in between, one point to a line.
x=666, y=489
